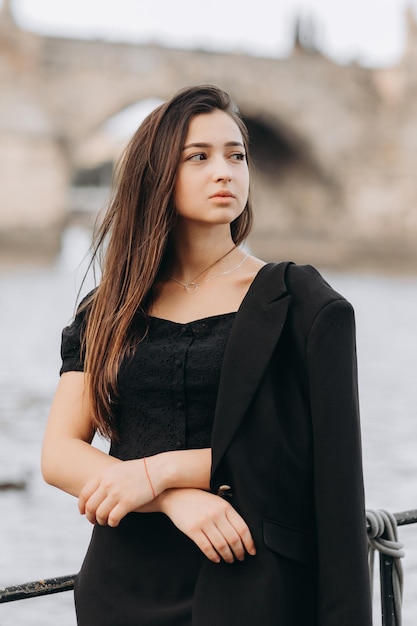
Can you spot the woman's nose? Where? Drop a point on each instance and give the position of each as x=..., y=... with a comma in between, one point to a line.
x=222, y=170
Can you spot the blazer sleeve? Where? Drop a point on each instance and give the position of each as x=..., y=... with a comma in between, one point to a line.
x=343, y=583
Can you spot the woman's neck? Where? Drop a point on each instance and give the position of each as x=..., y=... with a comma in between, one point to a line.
x=192, y=256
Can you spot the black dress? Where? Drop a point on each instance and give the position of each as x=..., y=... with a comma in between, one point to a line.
x=143, y=572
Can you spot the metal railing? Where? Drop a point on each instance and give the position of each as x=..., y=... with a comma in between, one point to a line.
x=389, y=611
x=37, y=588
x=389, y=561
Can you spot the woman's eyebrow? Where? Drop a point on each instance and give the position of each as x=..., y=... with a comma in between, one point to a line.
x=202, y=144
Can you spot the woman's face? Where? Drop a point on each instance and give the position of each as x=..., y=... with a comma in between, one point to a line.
x=212, y=183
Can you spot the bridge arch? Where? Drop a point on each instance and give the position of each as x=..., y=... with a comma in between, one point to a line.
x=283, y=161
x=321, y=133
x=287, y=173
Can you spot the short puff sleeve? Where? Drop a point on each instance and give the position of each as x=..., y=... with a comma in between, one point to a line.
x=71, y=343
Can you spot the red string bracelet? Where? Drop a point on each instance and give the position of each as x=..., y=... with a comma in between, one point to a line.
x=148, y=477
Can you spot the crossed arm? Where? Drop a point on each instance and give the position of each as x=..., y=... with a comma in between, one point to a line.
x=175, y=483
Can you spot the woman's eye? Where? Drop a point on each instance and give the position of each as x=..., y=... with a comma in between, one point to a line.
x=238, y=156
x=200, y=156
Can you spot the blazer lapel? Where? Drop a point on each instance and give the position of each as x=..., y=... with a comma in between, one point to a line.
x=254, y=335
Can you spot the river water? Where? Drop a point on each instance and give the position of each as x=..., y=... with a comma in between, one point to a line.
x=41, y=532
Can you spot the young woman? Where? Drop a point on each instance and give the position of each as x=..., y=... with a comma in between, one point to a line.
x=233, y=490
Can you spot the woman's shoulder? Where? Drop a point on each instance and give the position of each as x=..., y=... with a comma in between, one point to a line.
x=75, y=325
x=84, y=304
x=311, y=293
x=313, y=297
x=305, y=281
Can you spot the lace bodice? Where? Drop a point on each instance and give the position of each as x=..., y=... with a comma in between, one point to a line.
x=168, y=389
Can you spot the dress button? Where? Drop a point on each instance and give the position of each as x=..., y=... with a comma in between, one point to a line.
x=225, y=491
x=178, y=362
x=200, y=329
x=180, y=405
x=178, y=445
x=183, y=329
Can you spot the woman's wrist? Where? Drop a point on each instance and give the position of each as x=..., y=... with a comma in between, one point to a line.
x=145, y=465
x=179, y=469
x=163, y=500
x=154, y=506
x=160, y=470
x=167, y=499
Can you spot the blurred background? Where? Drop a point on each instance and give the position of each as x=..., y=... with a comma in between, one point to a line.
x=329, y=94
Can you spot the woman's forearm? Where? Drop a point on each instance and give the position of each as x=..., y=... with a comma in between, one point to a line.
x=180, y=468
x=70, y=463
x=102, y=482
x=77, y=467
x=140, y=484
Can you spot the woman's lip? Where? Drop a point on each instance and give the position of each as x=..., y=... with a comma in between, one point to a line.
x=221, y=194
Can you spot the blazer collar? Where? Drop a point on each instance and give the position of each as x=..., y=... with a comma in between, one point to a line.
x=254, y=335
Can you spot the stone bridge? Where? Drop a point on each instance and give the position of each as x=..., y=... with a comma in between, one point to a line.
x=335, y=147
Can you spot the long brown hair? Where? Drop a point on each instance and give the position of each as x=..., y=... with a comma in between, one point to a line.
x=132, y=241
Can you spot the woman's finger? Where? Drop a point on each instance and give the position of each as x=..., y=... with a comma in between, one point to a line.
x=118, y=512
x=220, y=543
x=86, y=493
x=234, y=542
x=242, y=530
x=101, y=501
x=206, y=547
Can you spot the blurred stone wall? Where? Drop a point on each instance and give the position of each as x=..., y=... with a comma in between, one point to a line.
x=335, y=147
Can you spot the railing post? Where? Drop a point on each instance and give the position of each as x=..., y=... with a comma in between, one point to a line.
x=387, y=590
x=383, y=537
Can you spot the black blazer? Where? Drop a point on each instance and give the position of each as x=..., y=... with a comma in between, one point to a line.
x=286, y=440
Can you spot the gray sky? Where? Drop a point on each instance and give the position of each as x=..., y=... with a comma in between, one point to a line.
x=369, y=31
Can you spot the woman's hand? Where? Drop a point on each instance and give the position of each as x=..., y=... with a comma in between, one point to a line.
x=127, y=486
x=211, y=522
x=118, y=490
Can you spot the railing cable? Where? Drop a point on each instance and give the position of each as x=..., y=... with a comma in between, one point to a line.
x=383, y=537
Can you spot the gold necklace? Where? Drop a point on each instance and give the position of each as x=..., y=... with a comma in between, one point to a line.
x=193, y=286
